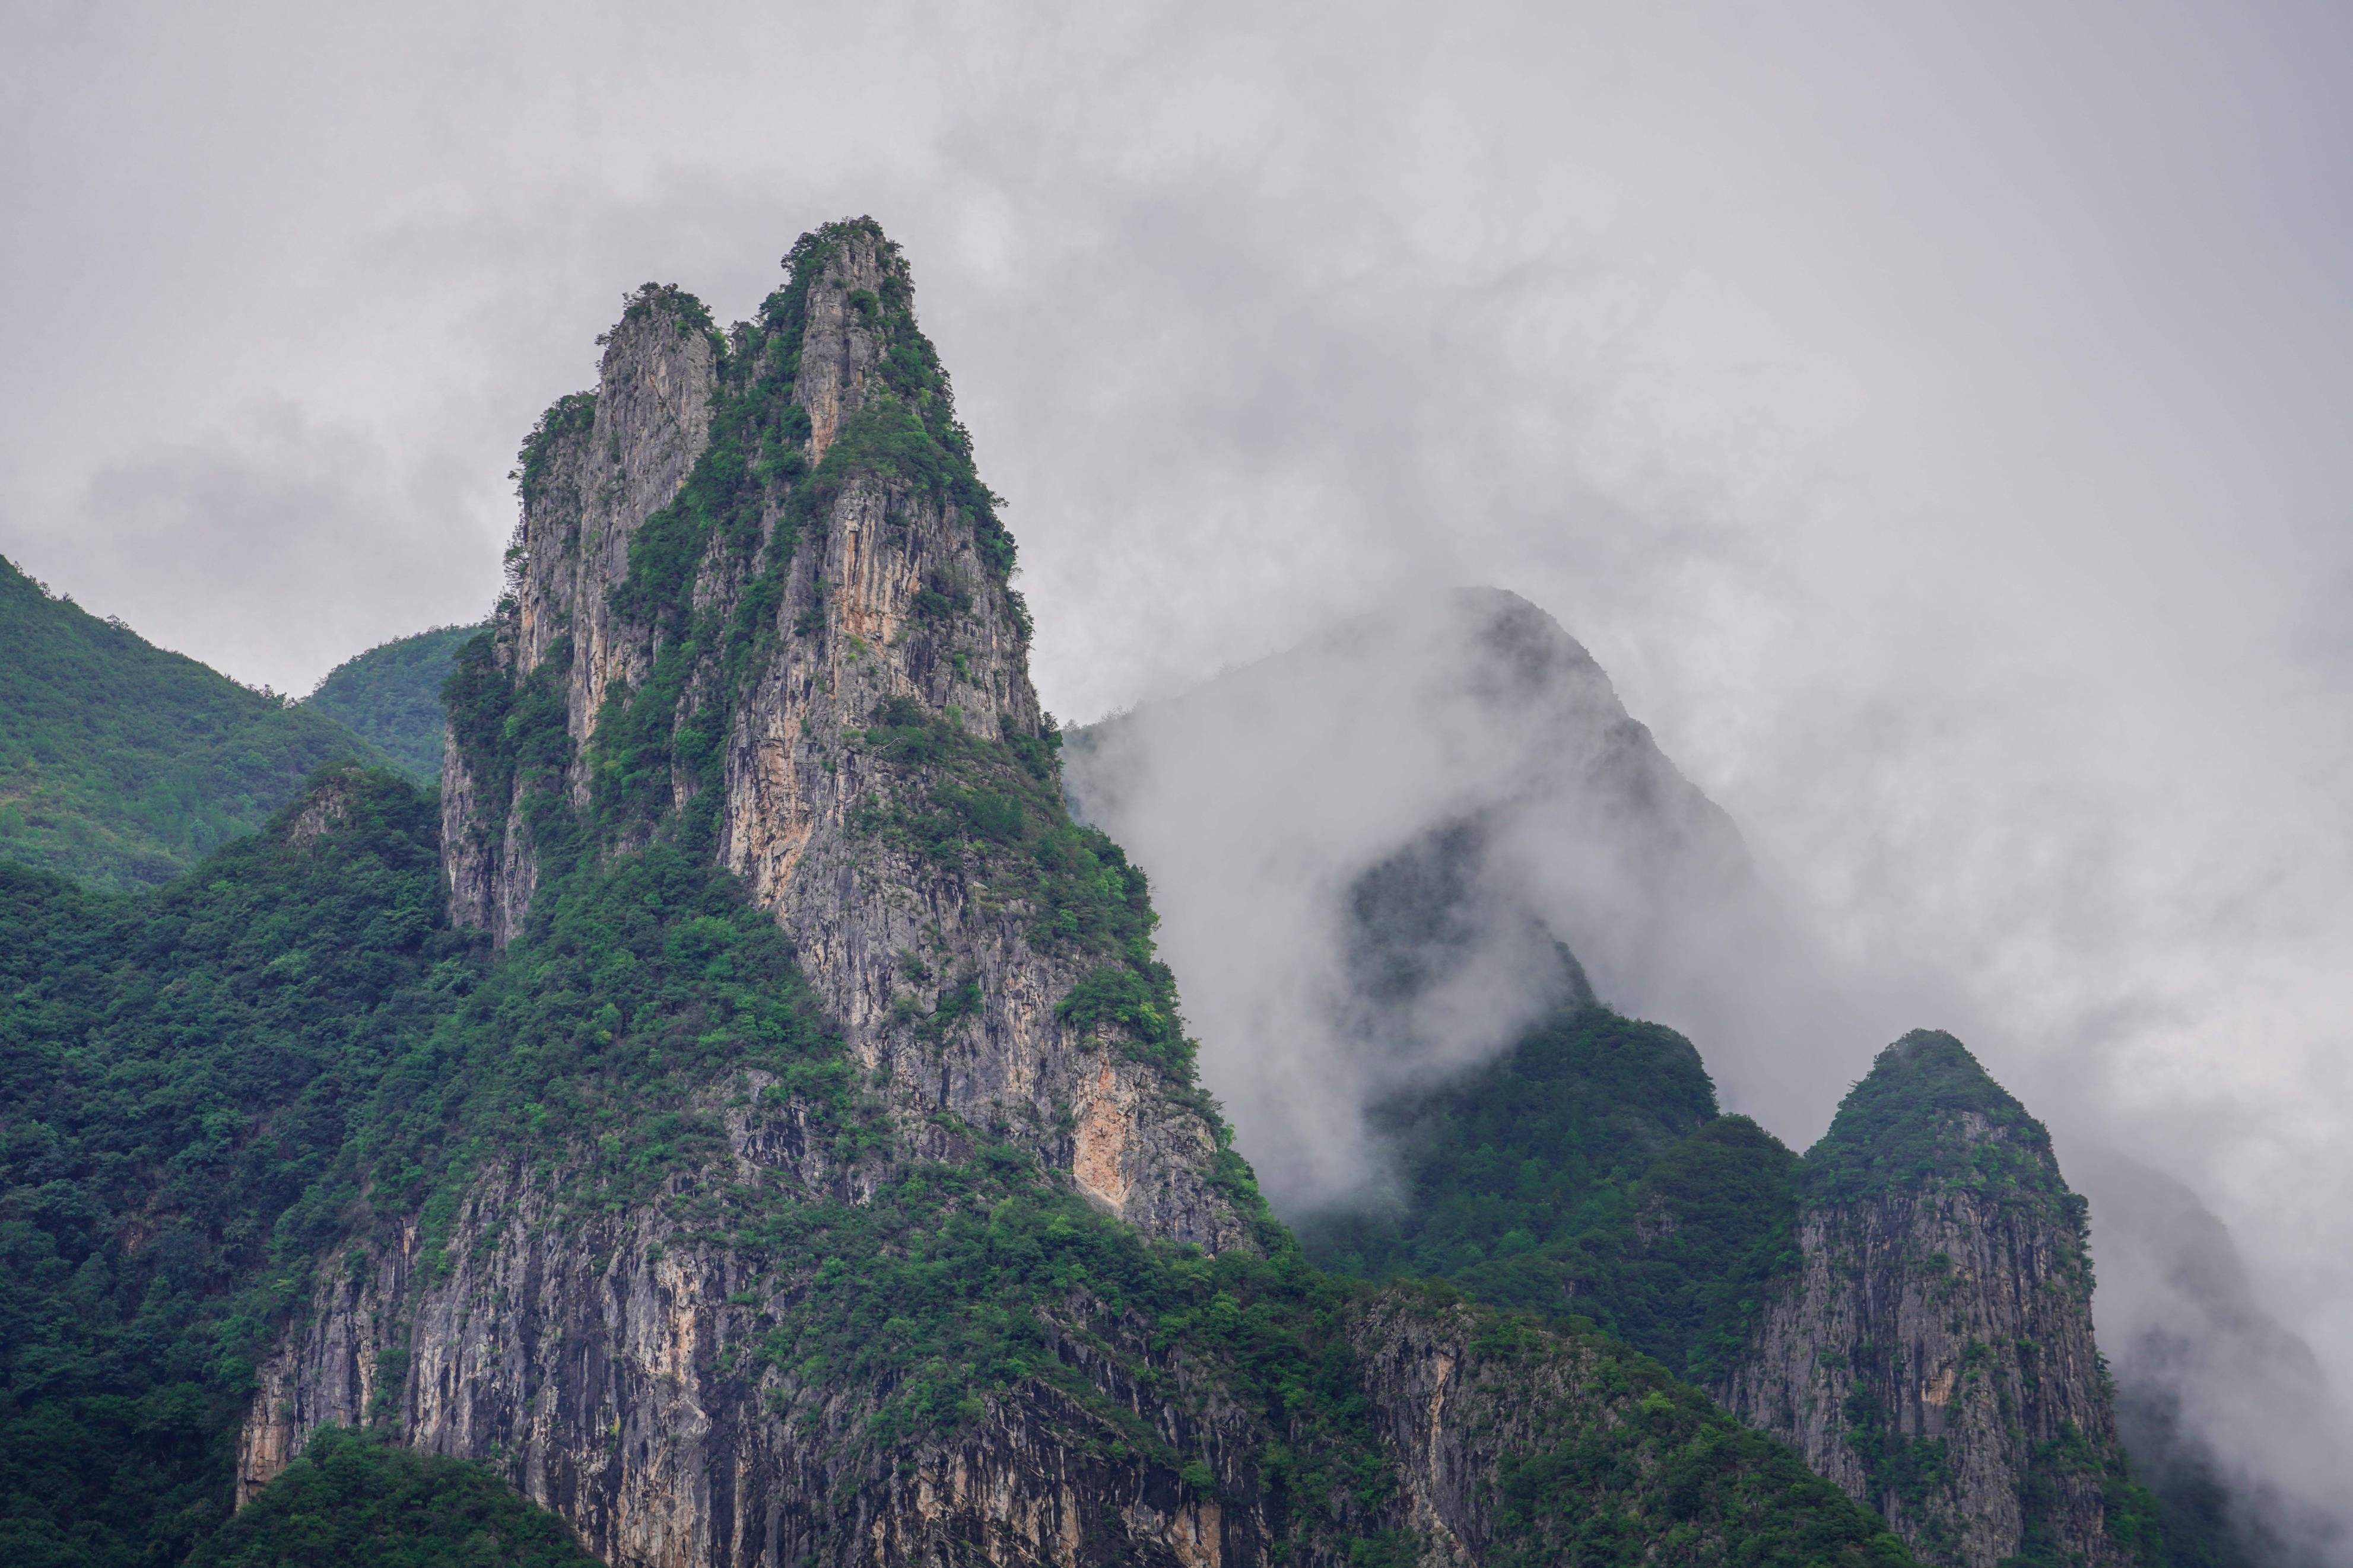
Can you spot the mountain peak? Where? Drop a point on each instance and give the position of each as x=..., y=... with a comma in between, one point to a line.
x=1929, y=1116
x=1932, y=1352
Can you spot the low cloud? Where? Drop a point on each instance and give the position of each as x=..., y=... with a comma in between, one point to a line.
x=311, y=544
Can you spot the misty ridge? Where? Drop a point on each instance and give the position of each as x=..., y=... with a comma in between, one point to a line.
x=1346, y=1112
x=1386, y=856
x=1701, y=915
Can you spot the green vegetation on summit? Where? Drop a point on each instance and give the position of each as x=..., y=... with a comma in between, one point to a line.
x=1585, y=1172
x=1928, y=1117
x=391, y=697
x=121, y=764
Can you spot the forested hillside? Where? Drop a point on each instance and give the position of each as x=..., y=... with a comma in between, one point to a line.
x=182, y=1073
x=1585, y=1172
x=121, y=765
x=391, y=695
x=767, y=1135
x=760, y=1130
x=215, y=1080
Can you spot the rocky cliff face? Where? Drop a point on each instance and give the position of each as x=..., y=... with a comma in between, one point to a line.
x=1933, y=1354
x=741, y=635
x=906, y=1239
x=619, y=1383
x=758, y=605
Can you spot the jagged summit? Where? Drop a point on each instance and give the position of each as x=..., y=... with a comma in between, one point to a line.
x=759, y=619
x=760, y=603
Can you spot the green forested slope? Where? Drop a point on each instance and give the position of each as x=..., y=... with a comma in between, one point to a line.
x=287, y=1056
x=355, y=1500
x=391, y=695
x=1585, y=1172
x=121, y=765
x=180, y=1072
x=203, y=1082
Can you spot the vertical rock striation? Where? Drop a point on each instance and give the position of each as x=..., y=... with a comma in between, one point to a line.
x=1933, y=1353
x=903, y=1238
x=759, y=606
x=831, y=564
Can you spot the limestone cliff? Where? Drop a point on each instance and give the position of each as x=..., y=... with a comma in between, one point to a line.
x=830, y=563
x=878, y=1220
x=758, y=606
x=1933, y=1354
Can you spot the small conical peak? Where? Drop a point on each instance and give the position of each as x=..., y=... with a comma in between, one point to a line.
x=1927, y=1117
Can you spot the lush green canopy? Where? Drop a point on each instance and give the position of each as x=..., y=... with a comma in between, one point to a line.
x=391, y=695
x=121, y=765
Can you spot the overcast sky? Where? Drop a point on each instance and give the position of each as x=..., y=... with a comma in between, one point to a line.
x=1934, y=418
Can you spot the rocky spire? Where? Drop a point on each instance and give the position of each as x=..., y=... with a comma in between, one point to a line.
x=1933, y=1353
x=760, y=584
x=739, y=1252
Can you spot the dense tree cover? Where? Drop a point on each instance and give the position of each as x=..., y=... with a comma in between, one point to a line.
x=204, y=1087
x=354, y=1500
x=180, y=1074
x=391, y=697
x=1927, y=1116
x=1585, y=1172
x=1667, y=1478
x=121, y=764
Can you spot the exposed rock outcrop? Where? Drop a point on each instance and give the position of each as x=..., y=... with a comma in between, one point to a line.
x=1540, y=1448
x=757, y=604
x=1933, y=1354
x=869, y=583
x=964, y=1272
x=618, y=1382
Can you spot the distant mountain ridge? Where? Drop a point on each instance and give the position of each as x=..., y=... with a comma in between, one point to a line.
x=1365, y=838
x=391, y=695
x=121, y=764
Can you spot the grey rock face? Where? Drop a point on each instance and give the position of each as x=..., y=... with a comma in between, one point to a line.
x=598, y=1359
x=599, y=486
x=1933, y=1354
x=858, y=624
x=610, y=1375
